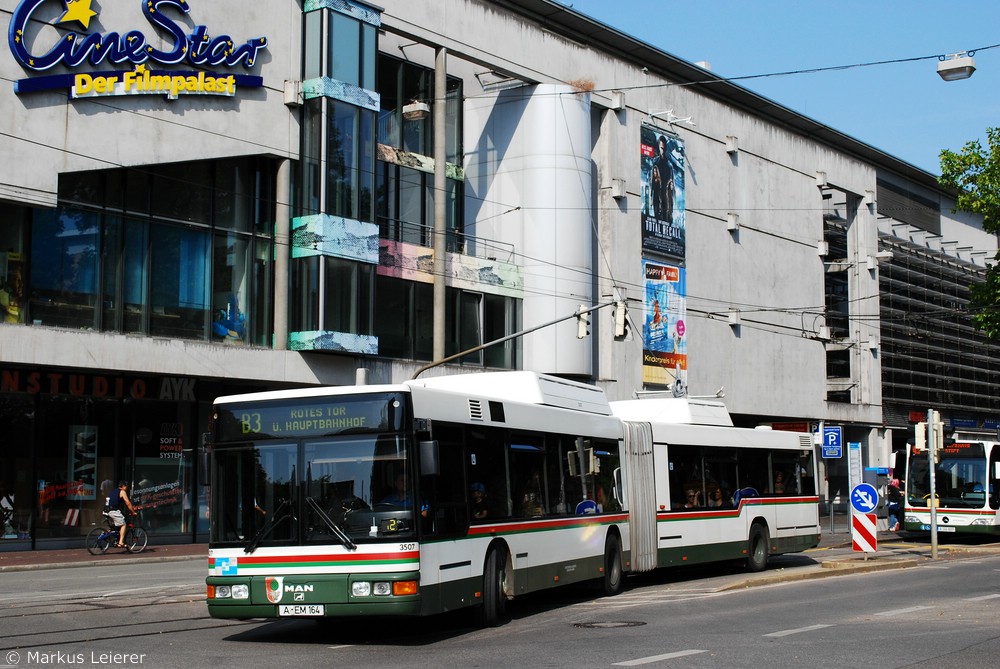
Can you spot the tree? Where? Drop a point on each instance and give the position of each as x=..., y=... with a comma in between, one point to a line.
x=974, y=173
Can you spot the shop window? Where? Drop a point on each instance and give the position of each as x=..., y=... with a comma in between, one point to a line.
x=179, y=300
x=161, y=466
x=64, y=268
x=13, y=294
x=348, y=296
x=304, y=308
x=401, y=82
x=230, y=265
x=404, y=322
x=405, y=207
x=194, y=180
x=463, y=314
x=76, y=464
x=135, y=278
x=18, y=492
x=234, y=206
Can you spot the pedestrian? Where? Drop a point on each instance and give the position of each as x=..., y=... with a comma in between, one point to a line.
x=895, y=505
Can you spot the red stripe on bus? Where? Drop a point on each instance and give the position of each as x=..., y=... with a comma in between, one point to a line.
x=335, y=557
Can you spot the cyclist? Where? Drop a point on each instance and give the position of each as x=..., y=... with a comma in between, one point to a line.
x=116, y=502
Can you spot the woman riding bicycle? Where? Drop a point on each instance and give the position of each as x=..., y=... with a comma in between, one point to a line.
x=116, y=502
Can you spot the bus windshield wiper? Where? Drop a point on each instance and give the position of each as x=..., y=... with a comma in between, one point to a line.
x=337, y=531
x=268, y=527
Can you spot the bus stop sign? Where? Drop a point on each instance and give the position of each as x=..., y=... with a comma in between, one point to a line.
x=864, y=498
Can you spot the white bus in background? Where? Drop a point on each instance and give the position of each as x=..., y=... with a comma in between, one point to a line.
x=966, y=482
x=365, y=500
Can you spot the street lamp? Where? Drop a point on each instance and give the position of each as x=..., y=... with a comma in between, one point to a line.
x=956, y=66
x=417, y=110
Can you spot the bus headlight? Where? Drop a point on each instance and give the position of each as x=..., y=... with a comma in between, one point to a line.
x=223, y=592
x=911, y=519
x=241, y=591
x=361, y=589
x=982, y=521
x=383, y=588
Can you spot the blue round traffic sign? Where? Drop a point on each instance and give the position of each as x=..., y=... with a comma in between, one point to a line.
x=864, y=498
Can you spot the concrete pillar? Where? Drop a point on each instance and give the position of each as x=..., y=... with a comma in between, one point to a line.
x=440, y=197
x=282, y=253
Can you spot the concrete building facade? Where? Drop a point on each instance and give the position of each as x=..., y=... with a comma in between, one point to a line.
x=199, y=202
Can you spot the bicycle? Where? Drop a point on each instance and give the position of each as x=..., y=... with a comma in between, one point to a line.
x=100, y=539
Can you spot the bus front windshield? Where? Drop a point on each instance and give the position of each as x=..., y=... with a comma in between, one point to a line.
x=346, y=489
x=960, y=477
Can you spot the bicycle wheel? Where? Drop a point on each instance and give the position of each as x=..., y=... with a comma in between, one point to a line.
x=136, y=540
x=97, y=541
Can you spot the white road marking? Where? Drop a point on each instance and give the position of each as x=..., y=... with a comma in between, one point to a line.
x=657, y=658
x=897, y=612
x=798, y=630
x=981, y=599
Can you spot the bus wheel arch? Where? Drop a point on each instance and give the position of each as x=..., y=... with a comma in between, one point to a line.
x=613, y=571
x=498, y=578
x=758, y=546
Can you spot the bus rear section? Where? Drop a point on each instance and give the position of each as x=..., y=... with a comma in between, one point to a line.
x=965, y=496
x=723, y=492
x=413, y=499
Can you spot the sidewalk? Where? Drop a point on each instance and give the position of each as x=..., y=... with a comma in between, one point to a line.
x=79, y=557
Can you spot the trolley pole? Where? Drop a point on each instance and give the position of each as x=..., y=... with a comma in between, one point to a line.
x=934, y=429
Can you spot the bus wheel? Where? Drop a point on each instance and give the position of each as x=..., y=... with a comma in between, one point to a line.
x=612, y=581
x=757, y=548
x=494, y=606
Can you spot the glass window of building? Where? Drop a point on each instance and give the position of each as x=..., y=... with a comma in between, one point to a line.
x=91, y=266
x=348, y=303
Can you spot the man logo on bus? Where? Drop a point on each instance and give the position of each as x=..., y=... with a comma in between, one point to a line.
x=274, y=589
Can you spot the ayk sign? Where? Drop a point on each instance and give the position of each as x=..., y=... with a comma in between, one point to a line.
x=42, y=35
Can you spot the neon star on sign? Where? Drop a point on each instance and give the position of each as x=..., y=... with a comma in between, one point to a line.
x=80, y=11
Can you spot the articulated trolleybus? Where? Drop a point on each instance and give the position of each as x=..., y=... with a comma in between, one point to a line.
x=966, y=479
x=468, y=490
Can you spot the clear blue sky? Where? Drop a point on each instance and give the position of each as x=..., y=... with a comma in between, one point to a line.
x=904, y=109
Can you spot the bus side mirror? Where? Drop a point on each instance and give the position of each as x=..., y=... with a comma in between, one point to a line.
x=430, y=458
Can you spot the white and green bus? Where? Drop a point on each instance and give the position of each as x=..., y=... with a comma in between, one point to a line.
x=965, y=481
x=469, y=490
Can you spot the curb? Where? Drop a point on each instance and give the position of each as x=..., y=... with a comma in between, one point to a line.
x=99, y=562
x=825, y=570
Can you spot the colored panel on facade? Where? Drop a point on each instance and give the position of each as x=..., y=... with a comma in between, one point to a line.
x=357, y=10
x=324, y=87
x=343, y=342
x=662, y=179
x=416, y=161
x=416, y=263
x=324, y=235
x=405, y=261
x=664, y=330
x=485, y=275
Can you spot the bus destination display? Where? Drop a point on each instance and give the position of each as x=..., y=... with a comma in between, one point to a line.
x=278, y=420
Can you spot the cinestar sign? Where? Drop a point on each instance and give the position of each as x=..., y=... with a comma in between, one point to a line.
x=214, y=56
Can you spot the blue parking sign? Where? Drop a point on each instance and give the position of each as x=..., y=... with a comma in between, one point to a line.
x=833, y=442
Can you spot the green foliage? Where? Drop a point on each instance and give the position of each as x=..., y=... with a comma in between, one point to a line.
x=974, y=173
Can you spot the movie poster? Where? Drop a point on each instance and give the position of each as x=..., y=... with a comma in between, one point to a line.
x=662, y=174
x=664, y=332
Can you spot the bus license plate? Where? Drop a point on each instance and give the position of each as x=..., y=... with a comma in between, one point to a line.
x=927, y=528
x=300, y=609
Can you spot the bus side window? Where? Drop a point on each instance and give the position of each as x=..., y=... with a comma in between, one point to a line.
x=486, y=463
